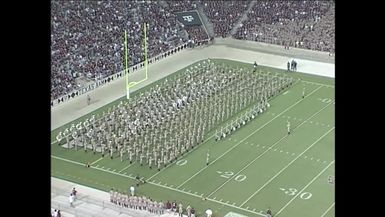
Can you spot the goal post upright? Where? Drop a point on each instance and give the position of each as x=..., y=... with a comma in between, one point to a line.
x=133, y=83
x=126, y=65
x=146, y=25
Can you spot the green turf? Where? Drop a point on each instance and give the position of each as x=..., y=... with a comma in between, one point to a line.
x=244, y=176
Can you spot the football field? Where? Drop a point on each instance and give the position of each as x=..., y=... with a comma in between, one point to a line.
x=256, y=167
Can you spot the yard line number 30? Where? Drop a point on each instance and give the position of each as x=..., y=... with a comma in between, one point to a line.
x=293, y=191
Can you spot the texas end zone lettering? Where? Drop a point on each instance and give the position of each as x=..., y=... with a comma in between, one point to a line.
x=189, y=18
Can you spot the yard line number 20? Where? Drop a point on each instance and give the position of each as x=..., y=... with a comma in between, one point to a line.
x=226, y=174
x=229, y=174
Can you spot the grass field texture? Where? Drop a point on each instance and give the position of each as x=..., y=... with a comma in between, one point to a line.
x=256, y=167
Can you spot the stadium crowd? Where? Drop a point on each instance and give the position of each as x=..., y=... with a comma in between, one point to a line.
x=196, y=34
x=86, y=36
x=224, y=14
x=304, y=24
x=180, y=5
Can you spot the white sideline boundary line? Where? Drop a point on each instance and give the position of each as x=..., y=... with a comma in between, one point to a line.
x=327, y=210
x=266, y=152
x=247, y=137
x=153, y=183
x=304, y=188
x=279, y=172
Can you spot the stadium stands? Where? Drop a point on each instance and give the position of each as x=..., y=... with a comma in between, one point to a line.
x=86, y=36
x=224, y=14
x=303, y=24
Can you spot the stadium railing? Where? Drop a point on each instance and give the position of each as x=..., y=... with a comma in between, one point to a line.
x=95, y=84
x=84, y=199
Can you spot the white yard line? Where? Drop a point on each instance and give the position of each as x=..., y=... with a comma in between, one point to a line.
x=216, y=201
x=177, y=161
x=245, y=167
x=96, y=161
x=70, y=161
x=304, y=188
x=279, y=172
x=153, y=183
x=126, y=167
x=197, y=173
x=327, y=210
x=310, y=82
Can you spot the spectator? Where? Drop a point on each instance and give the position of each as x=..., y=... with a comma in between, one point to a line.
x=174, y=206
x=192, y=212
x=209, y=213
x=54, y=213
x=74, y=192
x=71, y=199
x=180, y=209
x=188, y=209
